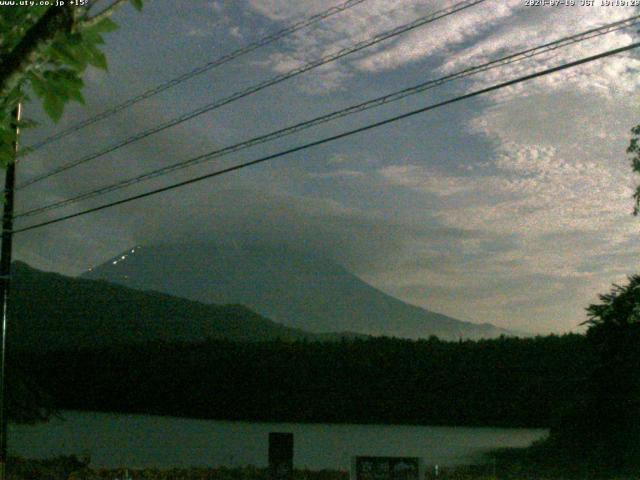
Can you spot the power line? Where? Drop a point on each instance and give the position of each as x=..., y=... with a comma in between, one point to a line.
x=369, y=104
x=337, y=136
x=199, y=70
x=261, y=86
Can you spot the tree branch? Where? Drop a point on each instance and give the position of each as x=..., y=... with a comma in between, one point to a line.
x=14, y=64
x=105, y=13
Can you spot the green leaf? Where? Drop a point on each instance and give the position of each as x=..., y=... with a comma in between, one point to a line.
x=70, y=55
x=68, y=76
x=92, y=37
x=6, y=157
x=55, y=76
x=54, y=106
x=95, y=56
x=77, y=96
x=56, y=88
x=99, y=60
x=14, y=97
x=7, y=136
x=39, y=86
x=105, y=25
x=53, y=86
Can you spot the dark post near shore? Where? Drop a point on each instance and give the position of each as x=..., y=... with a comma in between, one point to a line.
x=280, y=456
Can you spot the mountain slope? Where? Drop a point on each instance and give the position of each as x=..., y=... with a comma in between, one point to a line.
x=291, y=288
x=50, y=311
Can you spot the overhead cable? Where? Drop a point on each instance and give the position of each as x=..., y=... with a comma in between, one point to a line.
x=333, y=138
x=257, y=88
x=198, y=71
x=360, y=107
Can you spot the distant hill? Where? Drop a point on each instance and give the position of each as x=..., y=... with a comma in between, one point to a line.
x=51, y=311
x=292, y=288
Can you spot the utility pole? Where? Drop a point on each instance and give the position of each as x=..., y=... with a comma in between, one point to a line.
x=5, y=277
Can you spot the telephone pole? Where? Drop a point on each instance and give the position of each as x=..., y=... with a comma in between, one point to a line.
x=5, y=277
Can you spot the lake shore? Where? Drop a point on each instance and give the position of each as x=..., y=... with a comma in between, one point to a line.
x=146, y=441
x=74, y=467
x=77, y=468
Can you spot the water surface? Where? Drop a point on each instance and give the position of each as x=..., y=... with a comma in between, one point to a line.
x=116, y=440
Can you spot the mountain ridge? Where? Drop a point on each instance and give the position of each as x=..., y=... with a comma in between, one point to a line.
x=53, y=311
x=287, y=286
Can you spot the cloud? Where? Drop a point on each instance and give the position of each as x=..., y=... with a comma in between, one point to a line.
x=557, y=185
x=440, y=37
x=469, y=37
x=282, y=9
x=338, y=174
x=513, y=208
x=366, y=21
x=532, y=27
x=364, y=241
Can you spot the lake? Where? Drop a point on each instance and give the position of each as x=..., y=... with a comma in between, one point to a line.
x=116, y=440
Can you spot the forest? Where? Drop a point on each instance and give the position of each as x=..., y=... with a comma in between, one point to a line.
x=509, y=382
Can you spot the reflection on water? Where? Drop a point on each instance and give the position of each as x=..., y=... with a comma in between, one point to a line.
x=115, y=440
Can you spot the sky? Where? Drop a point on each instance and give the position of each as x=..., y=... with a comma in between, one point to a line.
x=512, y=208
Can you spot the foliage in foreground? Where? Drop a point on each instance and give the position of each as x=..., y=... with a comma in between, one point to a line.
x=75, y=468
x=45, y=50
x=600, y=433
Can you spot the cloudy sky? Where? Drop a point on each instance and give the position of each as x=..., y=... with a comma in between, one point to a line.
x=513, y=208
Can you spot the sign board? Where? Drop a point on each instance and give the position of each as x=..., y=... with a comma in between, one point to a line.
x=387, y=468
x=280, y=456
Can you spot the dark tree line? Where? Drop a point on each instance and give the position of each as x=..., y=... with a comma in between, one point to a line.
x=602, y=428
x=502, y=382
